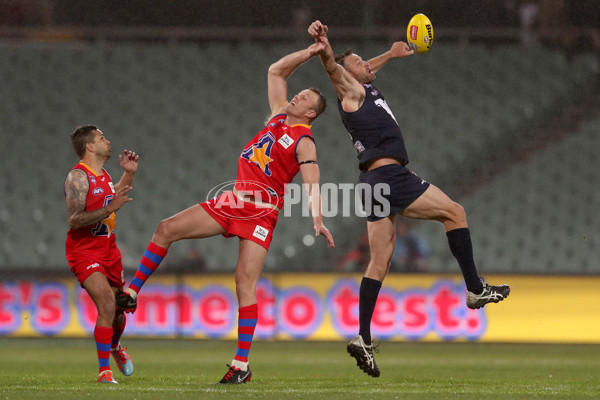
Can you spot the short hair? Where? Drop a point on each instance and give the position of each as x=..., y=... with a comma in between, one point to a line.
x=321, y=103
x=340, y=58
x=82, y=136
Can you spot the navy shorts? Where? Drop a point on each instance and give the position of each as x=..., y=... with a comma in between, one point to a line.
x=393, y=184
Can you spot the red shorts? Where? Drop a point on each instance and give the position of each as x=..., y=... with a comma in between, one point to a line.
x=243, y=219
x=84, y=265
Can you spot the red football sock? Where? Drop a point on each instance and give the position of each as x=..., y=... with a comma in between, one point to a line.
x=248, y=317
x=150, y=261
x=103, y=336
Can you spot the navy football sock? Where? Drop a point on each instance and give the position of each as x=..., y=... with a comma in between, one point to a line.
x=462, y=249
x=369, y=290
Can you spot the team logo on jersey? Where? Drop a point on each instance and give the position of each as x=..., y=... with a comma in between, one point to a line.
x=286, y=141
x=92, y=179
x=374, y=92
x=259, y=153
x=359, y=146
x=97, y=191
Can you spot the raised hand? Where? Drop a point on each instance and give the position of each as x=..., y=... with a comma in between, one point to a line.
x=317, y=29
x=129, y=161
x=400, y=49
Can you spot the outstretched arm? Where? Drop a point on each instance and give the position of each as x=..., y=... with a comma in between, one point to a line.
x=398, y=50
x=281, y=70
x=349, y=90
x=306, y=151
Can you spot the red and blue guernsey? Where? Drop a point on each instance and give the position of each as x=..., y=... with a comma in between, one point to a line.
x=95, y=241
x=269, y=161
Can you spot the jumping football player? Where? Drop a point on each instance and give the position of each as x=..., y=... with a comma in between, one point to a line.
x=382, y=159
x=266, y=164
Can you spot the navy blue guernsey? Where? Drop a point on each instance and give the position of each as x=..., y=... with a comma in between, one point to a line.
x=374, y=130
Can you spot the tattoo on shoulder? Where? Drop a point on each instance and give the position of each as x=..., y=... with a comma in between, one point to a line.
x=76, y=189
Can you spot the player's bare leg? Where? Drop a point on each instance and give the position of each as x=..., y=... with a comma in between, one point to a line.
x=436, y=205
x=382, y=236
x=250, y=262
x=101, y=293
x=191, y=223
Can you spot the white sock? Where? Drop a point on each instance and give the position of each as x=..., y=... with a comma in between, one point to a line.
x=131, y=292
x=240, y=364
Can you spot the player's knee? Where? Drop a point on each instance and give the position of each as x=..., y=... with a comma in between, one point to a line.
x=164, y=232
x=106, y=308
x=244, y=287
x=380, y=262
x=458, y=214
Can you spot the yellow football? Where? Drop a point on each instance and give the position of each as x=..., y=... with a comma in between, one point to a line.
x=420, y=33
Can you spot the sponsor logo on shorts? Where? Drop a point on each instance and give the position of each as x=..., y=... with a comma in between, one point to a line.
x=94, y=265
x=97, y=191
x=261, y=233
x=286, y=141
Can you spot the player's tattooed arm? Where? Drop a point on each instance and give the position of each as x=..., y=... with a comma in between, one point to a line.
x=76, y=189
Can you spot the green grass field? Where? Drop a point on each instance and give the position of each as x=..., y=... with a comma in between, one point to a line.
x=189, y=369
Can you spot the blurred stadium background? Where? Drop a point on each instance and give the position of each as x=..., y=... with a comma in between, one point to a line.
x=503, y=114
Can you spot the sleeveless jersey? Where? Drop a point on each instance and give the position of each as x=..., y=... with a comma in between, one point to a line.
x=97, y=240
x=269, y=160
x=374, y=130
